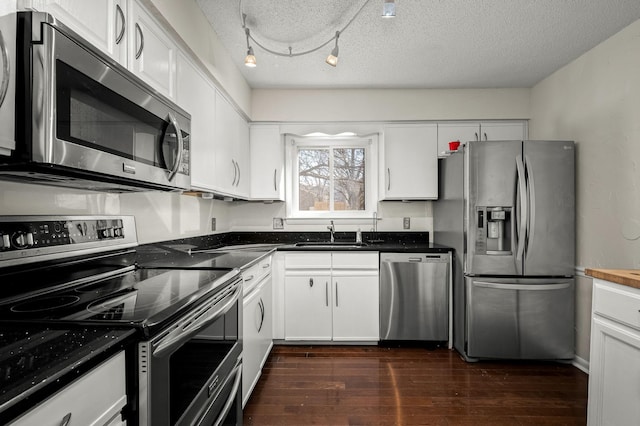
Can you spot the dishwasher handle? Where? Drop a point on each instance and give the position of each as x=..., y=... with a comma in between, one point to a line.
x=415, y=258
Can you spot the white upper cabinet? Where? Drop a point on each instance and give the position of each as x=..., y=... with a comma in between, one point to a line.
x=450, y=132
x=152, y=53
x=515, y=131
x=197, y=95
x=475, y=131
x=103, y=23
x=267, y=162
x=231, y=150
x=124, y=30
x=409, y=162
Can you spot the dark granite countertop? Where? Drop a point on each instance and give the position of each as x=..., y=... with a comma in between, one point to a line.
x=409, y=242
x=38, y=360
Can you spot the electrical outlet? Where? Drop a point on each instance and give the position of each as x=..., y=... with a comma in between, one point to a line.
x=278, y=223
x=406, y=223
x=213, y=223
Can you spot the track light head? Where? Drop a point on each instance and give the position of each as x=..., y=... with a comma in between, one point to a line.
x=388, y=9
x=250, y=59
x=332, y=59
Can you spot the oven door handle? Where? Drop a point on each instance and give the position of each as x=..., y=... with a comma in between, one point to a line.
x=196, y=321
x=232, y=395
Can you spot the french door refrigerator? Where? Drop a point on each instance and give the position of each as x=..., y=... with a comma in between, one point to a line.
x=508, y=209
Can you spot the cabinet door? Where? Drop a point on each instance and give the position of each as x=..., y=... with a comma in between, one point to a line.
x=103, y=23
x=152, y=53
x=197, y=96
x=410, y=161
x=96, y=398
x=614, y=374
x=502, y=131
x=308, y=307
x=226, y=134
x=251, y=323
x=462, y=132
x=356, y=307
x=267, y=162
x=265, y=331
x=241, y=157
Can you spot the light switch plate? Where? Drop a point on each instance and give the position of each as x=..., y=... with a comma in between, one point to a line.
x=406, y=223
x=278, y=223
x=213, y=223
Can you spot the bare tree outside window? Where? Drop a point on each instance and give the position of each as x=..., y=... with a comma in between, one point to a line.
x=321, y=169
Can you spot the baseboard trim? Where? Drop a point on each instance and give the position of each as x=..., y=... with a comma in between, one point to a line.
x=581, y=364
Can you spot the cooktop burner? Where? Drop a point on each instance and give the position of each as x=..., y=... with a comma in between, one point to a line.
x=45, y=303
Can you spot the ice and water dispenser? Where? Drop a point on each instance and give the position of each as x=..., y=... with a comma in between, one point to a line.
x=493, y=230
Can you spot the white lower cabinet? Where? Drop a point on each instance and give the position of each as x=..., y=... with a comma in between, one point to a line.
x=331, y=296
x=257, y=324
x=614, y=369
x=96, y=399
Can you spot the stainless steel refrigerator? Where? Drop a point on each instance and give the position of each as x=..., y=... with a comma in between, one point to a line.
x=508, y=209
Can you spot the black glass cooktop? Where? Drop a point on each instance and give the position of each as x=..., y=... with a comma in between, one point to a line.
x=144, y=298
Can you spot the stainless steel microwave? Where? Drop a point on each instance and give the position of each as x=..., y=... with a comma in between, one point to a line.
x=83, y=120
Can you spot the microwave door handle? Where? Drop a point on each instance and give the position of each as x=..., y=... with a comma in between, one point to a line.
x=6, y=70
x=178, y=161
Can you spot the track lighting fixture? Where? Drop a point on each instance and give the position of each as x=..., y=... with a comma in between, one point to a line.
x=250, y=59
x=332, y=59
x=388, y=9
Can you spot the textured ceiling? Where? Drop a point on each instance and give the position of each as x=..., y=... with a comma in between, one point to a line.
x=430, y=43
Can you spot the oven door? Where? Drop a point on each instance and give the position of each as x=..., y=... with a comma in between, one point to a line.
x=191, y=372
x=105, y=119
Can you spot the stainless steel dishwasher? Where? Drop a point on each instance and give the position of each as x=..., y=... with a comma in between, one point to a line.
x=414, y=296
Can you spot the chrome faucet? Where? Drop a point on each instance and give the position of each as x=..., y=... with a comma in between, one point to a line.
x=375, y=222
x=332, y=229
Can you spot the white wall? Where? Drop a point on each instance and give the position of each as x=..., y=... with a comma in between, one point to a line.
x=389, y=104
x=159, y=215
x=595, y=100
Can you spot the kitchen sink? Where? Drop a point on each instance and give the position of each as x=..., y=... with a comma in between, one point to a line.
x=329, y=244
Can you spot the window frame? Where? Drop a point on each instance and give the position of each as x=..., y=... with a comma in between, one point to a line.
x=370, y=145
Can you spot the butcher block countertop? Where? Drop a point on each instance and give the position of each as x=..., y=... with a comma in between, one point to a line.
x=628, y=277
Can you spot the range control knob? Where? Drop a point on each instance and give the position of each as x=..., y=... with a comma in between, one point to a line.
x=5, y=242
x=22, y=240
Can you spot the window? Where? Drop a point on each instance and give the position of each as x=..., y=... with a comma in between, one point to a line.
x=331, y=176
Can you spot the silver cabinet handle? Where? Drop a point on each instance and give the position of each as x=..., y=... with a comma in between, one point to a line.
x=141, y=47
x=249, y=278
x=6, y=70
x=235, y=172
x=176, y=166
x=275, y=179
x=485, y=137
x=326, y=293
x=65, y=420
x=266, y=265
x=310, y=282
x=336, y=294
x=477, y=139
x=388, y=179
x=239, y=173
x=124, y=23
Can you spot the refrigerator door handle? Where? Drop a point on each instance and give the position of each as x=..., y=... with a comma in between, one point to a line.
x=522, y=189
x=527, y=287
x=531, y=196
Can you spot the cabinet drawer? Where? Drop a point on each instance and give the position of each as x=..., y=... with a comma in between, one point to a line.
x=617, y=302
x=314, y=260
x=344, y=260
x=94, y=399
x=253, y=275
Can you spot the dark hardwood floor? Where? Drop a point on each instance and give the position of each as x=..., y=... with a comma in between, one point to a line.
x=371, y=385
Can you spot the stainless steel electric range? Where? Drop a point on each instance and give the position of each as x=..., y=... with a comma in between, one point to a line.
x=85, y=272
